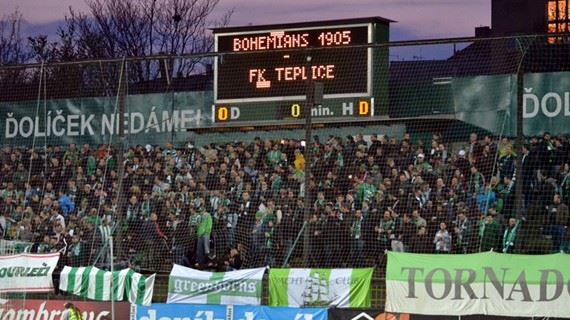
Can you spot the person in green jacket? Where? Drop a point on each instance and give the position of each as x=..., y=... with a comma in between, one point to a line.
x=366, y=190
x=203, y=234
x=490, y=234
x=91, y=165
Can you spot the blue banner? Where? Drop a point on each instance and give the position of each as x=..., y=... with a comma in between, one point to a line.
x=162, y=311
x=278, y=313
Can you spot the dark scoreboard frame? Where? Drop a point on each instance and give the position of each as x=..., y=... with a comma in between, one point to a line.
x=346, y=58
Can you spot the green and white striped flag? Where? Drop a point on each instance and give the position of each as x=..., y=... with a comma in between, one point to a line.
x=340, y=288
x=241, y=287
x=95, y=284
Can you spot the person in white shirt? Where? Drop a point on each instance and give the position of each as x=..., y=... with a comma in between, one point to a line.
x=442, y=239
x=3, y=225
x=57, y=218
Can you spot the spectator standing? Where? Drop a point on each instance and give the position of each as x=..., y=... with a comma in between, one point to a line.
x=507, y=161
x=486, y=199
x=3, y=224
x=269, y=244
x=357, y=240
x=442, y=239
x=366, y=190
x=331, y=233
x=417, y=219
x=476, y=182
x=474, y=146
x=556, y=222
x=105, y=233
x=287, y=231
x=462, y=164
x=256, y=243
x=463, y=232
x=75, y=252
x=408, y=233
x=203, y=234
x=490, y=232
x=510, y=235
x=384, y=230
x=66, y=204
x=422, y=242
x=486, y=162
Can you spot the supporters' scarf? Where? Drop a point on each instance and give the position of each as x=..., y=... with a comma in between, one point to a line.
x=510, y=235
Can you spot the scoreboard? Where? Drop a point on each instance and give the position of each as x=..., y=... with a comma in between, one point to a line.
x=272, y=64
x=261, y=72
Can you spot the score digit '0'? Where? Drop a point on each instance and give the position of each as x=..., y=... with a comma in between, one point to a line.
x=223, y=114
x=226, y=113
x=295, y=110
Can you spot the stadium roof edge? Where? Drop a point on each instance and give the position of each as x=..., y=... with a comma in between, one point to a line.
x=376, y=19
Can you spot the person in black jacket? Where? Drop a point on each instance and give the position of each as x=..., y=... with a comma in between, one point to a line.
x=331, y=236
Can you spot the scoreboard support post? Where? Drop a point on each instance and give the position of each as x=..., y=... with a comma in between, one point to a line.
x=308, y=160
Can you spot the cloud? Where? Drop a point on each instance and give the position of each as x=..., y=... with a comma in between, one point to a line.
x=427, y=18
x=43, y=11
x=48, y=28
x=419, y=18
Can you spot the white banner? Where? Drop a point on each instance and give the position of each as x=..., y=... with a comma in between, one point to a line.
x=27, y=272
x=486, y=283
x=241, y=287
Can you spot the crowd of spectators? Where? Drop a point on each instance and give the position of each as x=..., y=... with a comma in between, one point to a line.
x=242, y=204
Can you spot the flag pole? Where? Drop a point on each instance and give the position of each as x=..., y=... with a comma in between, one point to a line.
x=112, y=284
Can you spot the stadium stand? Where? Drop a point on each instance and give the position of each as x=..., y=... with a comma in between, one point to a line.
x=241, y=204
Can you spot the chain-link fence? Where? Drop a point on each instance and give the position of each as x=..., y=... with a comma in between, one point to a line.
x=458, y=151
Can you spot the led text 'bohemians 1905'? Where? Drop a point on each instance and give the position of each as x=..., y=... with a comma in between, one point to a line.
x=276, y=40
x=282, y=40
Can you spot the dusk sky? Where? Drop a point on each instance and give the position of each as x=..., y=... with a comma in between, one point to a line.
x=416, y=18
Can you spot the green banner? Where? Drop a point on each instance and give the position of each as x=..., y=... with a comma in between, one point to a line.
x=546, y=103
x=148, y=119
x=340, y=288
x=487, y=102
x=490, y=102
x=483, y=283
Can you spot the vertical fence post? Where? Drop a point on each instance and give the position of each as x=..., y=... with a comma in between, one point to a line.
x=520, y=138
x=308, y=158
x=120, y=215
x=112, y=268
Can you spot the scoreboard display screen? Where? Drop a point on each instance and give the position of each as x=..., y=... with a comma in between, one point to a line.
x=273, y=65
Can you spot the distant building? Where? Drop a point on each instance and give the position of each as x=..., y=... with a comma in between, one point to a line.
x=514, y=17
x=511, y=17
x=428, y=83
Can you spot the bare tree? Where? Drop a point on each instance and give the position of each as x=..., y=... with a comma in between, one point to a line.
x=13, y=49
x=111, y=29
x=141, y=28
x=14, y=82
